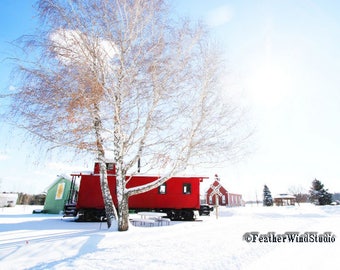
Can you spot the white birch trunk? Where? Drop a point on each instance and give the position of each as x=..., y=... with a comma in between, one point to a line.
x=122, y=197
x=110, y=210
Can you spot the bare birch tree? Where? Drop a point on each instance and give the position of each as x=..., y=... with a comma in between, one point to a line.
x=120, y=79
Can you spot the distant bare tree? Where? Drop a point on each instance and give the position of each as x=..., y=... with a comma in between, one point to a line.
x=300, y=194
x=120, y=79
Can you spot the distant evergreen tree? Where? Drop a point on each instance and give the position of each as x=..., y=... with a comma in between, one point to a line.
x=267, y=197
x=318, y=194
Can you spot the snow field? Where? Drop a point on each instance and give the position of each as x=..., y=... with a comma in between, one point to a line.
x=42, y=241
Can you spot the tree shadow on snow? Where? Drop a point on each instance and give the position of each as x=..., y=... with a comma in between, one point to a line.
x=90, y=246
x=43, y=222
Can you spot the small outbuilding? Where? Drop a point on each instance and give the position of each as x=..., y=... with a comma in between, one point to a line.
x=57, y=195
x=284, y=199
x=217, y=194
x=8, y=199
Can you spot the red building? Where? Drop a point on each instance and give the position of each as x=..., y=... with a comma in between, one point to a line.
x=217, y=192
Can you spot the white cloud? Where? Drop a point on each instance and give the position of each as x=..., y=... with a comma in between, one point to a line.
x=11, y=88
x=72, y=45
x=219, y=16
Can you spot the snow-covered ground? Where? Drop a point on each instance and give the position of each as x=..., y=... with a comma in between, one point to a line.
x=42, y=241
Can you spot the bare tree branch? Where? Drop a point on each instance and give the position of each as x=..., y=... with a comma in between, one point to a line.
x=121, y=80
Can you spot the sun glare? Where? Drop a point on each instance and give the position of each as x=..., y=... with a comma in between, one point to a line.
x=268, y=85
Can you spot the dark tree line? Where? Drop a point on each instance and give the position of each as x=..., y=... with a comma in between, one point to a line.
x=318, y=194
x=28, y=199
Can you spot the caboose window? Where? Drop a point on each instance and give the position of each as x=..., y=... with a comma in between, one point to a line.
x=109, y=166
x=186, y=188
x=162, y=189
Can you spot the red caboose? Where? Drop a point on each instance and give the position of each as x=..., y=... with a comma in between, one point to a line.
x=179, y=197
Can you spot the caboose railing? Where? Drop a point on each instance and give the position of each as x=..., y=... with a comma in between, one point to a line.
x=71, y=202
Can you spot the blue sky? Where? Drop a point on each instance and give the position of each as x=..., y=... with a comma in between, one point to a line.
x=283, y=65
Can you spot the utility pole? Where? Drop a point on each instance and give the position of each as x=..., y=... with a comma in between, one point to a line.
x=216, y=205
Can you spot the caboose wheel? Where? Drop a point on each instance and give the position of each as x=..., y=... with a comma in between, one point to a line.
x=172, y=215
x=187, y=215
